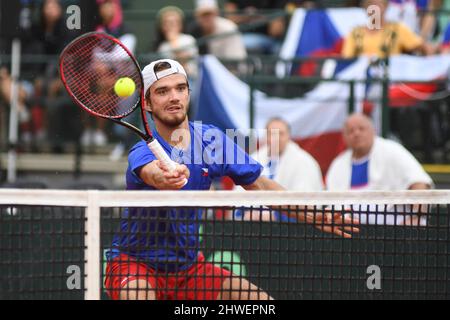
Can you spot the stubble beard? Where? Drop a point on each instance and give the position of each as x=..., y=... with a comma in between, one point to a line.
x=171, y=121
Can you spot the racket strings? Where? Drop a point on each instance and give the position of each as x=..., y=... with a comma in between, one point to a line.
x=91, y=66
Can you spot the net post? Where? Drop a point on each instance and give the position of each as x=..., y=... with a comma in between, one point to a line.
x=92, y=247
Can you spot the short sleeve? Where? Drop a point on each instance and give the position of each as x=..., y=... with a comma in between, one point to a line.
x=139, y=156
x=236, y=163
x=242, y=169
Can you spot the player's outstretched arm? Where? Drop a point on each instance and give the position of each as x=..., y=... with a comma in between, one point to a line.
x=157, y=175
x=331, y=222
x=264, y=183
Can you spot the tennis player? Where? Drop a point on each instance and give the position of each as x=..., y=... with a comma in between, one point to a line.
x=159, y=258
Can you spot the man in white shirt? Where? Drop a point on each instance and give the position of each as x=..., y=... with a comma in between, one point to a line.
x=289, y=165
x=227, y=42
x=374, y=163
x=286, y=163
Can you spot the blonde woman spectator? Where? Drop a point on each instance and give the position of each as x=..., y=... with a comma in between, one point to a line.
x=174, y=43
x=226, y=41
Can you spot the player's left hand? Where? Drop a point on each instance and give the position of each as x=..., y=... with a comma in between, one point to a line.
x=336, y=223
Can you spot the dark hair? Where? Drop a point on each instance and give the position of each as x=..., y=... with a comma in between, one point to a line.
x=160, y=66
x=58, y=28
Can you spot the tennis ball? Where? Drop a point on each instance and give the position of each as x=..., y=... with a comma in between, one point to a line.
x=124, y=87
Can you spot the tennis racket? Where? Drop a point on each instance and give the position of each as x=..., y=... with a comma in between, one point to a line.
x=90, y=66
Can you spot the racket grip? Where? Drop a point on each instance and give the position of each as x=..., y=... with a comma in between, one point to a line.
x=162, y=156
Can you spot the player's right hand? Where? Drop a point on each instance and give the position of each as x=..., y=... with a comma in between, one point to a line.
x=163, y=179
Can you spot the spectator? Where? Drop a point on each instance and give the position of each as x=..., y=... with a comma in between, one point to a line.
x=429, y=24
x=111, y=18
x=381, y=41
x=389, y=38
x=265, y=39
x=287, y=164
x=173, y=43
x=49, y=37
x=46, y=37
x=50, y=34
x=226, y=41
x=111, y=22
x=23, y=93
x=374, y=163
x=416, y=14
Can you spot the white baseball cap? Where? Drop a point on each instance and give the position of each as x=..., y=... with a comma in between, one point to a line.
x=206, y=6
x=150, y=76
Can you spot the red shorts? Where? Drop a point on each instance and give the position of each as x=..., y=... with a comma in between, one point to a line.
x=202, y=281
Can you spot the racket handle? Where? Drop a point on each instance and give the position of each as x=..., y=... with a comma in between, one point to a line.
x=162, y=156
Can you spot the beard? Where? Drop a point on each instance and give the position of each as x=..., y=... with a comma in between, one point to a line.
x=171, y=120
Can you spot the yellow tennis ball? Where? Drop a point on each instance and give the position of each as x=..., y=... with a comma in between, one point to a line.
x=124, y=87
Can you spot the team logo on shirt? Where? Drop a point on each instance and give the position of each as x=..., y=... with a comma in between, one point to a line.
x=204, y=172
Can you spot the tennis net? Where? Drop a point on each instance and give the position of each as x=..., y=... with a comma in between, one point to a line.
x=204, y=245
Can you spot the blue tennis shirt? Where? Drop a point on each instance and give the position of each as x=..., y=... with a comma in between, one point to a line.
x=167, y=239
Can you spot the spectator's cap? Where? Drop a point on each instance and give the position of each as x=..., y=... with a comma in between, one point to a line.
x=204, y=6
x=150, y=76
x=167, y=9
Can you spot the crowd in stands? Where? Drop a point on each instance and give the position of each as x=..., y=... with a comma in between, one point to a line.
x=232, y=31
x=369, y=163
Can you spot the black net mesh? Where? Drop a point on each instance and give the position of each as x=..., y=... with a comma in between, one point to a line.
x=40, y=249
x=225, y=252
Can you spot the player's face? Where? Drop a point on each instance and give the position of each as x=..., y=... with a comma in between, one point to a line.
x=169, y=100
x=359, y=135
x=280, y=128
